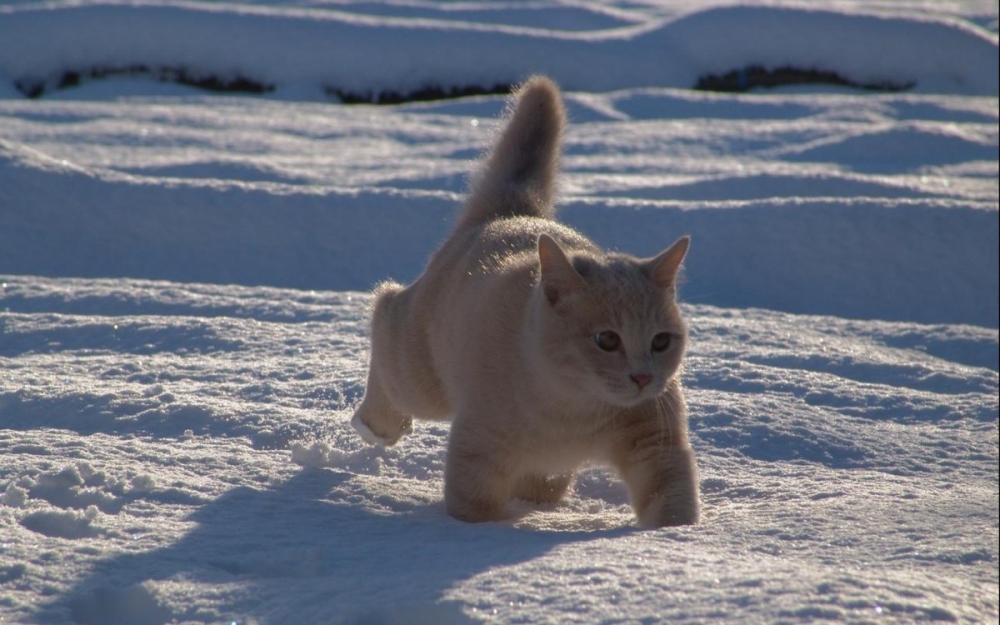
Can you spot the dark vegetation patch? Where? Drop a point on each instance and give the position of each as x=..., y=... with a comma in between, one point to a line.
x=424, y=94
x=741, y=80
x=35, y=88
x=756, y=76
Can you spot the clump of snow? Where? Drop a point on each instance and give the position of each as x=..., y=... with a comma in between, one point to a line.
x=63, y=523
x=132, y=605
x=67, y=488
x=319, y=454
x=14, y=496
x=142, y=484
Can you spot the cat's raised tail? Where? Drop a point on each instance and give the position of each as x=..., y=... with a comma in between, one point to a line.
x=518, y=177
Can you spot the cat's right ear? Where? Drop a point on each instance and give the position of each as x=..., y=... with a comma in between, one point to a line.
x=559, y=278
x=664, y=268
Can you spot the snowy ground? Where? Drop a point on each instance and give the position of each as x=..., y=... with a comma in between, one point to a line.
x=183, y=334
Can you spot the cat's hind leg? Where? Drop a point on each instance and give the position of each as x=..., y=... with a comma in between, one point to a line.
x=538, y=488
x=378, y=419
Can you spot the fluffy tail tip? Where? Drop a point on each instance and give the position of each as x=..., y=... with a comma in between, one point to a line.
x=519, y=174
x=538, y=91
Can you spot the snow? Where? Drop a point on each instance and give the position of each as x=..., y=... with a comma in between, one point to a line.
x=183, y=311
x=344, y=47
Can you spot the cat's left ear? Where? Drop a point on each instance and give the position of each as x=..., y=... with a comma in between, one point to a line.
x=662, y=270
x=559, y=279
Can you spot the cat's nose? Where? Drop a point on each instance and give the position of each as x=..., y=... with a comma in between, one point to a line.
x=641, y=379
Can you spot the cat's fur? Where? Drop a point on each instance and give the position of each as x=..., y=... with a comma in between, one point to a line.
x=502, y=335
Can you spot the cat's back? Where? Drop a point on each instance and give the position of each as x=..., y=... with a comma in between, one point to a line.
x=475, y=291
x=500, y=255
x=514, y=242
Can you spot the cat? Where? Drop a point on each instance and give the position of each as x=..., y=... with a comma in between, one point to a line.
x=544, y=351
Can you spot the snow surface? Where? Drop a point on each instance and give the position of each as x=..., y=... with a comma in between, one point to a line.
x=183, y=317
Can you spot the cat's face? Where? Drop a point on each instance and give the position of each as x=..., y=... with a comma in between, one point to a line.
x=618, y=343
x=611, y=330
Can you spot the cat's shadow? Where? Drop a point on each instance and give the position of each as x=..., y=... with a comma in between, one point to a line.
x=299, y=553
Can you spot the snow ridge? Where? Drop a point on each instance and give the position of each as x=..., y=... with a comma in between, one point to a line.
x=404, y=54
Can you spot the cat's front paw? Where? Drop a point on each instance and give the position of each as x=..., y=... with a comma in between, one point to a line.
x=474, y=510
x=662, y=513
x=677, y=503
x=664, y=489
x=372, y=437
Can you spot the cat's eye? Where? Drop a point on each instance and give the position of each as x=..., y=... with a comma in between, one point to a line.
x=661, y=342
x=608, y=341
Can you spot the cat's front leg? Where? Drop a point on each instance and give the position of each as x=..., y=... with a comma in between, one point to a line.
x=666, y=492
x=662, y=479
x=477, y=478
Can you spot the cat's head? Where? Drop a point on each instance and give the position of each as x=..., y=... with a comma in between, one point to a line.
x=610, y=328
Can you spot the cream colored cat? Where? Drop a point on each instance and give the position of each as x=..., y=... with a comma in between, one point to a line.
x=544, y=351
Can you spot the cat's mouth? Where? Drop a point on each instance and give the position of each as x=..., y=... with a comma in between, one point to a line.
x=629, y=397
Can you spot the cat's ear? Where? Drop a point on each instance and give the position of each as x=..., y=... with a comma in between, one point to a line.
x=559, y=278
x=663, y=269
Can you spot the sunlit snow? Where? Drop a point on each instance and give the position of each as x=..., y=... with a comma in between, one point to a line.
x=183, y=308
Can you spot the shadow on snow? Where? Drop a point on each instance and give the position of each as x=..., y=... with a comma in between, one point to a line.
x=289, y=554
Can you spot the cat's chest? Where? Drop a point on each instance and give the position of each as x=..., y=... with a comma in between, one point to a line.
x=552, y=451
